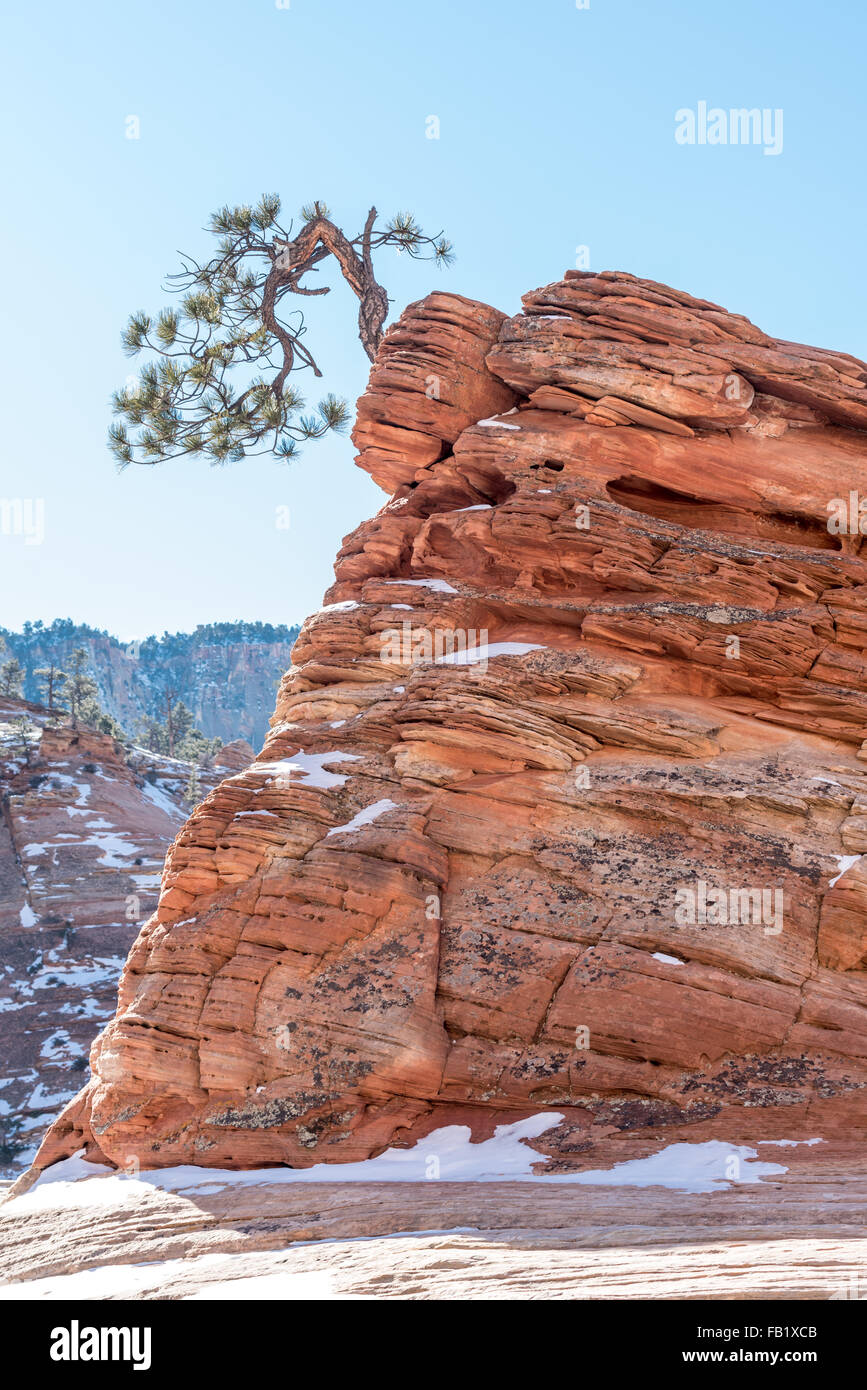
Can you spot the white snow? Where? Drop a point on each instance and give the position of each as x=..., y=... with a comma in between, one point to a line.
x=399, y=689
x=442, y=586
x=151, y=880
x=486, y=651
x=108, y=1281
x=844, y=863
x=667, y=960
x=370, y=813
x=27, y=917
x=493, y=423
x=87, y=1008
x=345, y=607
x=74, y=975
x=49, y=1100
x=310, y=766
x=151, y=757
x=482, y=507
x=791, y=1143
x=705, y=1167
x=447, y=1154
x=127, y=1280
x=116, y=850
x=82, y=788
x=59, y=1046
x=159, y=797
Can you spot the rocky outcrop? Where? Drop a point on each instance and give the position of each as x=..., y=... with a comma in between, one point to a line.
x=565, y=800
x=428, y=384
x=234, y=756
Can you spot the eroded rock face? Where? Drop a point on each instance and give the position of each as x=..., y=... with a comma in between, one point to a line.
x=565, y=799
x=234, y=756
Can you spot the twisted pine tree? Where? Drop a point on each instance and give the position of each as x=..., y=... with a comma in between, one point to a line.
x=218, y=383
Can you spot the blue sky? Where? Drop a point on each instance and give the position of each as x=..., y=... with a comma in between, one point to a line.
x=556, y=131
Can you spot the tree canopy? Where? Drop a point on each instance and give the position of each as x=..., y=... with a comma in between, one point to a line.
x=218, y=379
x=177, y=735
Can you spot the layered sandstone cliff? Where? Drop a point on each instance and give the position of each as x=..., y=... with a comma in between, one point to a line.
x=565, y=799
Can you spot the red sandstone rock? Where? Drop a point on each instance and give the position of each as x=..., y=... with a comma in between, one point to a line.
x=460, y=888
x=234, y=756
x=429, y=382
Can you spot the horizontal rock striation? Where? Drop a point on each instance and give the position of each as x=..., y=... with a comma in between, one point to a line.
x=565, y=799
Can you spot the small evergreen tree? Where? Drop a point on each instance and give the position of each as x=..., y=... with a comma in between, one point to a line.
x=10, y=1143
x=233, y=328
x=193, y=789
x=12, y=679
x=152, y=735
x=23, y=738
x=170, y=721
x=197, y=748
x=177, y=736
x=93, y=716
x=81, y=688
x=51, y=681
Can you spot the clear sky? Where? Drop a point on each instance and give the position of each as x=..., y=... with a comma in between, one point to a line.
x=557, y=130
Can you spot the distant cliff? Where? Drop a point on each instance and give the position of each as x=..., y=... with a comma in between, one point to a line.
x=226, y=673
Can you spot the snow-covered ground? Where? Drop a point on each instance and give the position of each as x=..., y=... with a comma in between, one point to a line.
x=446, y=1155
x=487, y=651
x=493, y=1257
